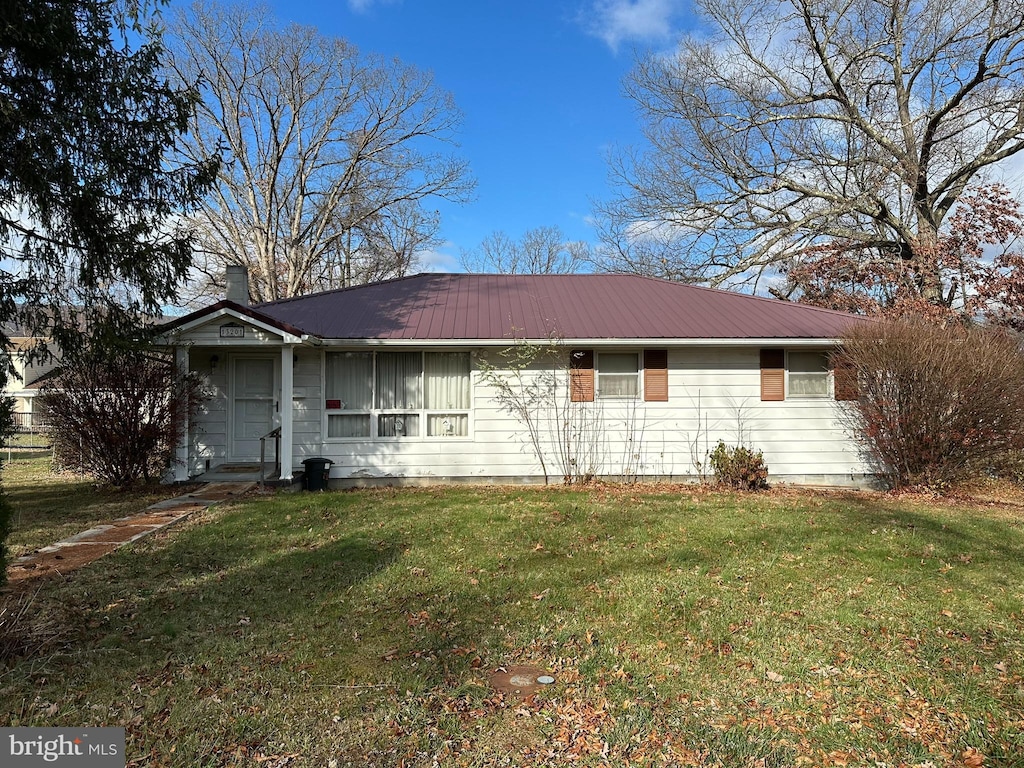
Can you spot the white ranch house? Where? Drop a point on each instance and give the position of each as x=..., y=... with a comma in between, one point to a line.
x=394, y=382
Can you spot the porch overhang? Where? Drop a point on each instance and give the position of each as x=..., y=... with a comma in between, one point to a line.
x=180, y=330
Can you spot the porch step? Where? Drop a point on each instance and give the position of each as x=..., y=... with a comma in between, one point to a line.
x=246, y=473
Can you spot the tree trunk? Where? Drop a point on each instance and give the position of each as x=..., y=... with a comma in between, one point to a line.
x=926, y=263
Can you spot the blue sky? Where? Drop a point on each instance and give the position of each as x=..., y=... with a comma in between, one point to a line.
x=540, y=87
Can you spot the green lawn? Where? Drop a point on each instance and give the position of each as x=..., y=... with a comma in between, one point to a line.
x=49, y=507
x=684, y=627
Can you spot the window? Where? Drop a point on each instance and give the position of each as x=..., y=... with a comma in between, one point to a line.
x=796, y=373
x=808, y=373
x=618, y=375
x=446, y=376
x=349, y=379
x=397, y=395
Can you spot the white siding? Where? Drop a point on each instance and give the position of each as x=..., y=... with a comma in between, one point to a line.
x=208, y=335
x=714, y=394
x=307, y=404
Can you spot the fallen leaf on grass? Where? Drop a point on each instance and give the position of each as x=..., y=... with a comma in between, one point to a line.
x=774, y=677
x=972, y=758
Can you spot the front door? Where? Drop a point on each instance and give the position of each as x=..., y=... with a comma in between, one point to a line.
x=253, y=406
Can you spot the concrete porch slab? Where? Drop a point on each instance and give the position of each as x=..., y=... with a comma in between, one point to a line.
x=239, y=473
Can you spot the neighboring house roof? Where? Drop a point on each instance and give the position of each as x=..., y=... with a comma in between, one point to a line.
x=41, y=381
x=595, y=306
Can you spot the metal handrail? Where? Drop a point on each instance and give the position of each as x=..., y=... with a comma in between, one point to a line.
x=276, y=434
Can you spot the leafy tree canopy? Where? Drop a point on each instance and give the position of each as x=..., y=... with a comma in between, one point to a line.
x=977, y=258
x=88, y=207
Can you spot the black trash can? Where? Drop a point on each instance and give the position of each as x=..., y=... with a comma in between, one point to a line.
x=315, y=474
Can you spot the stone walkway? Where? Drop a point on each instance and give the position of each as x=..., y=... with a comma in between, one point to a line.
x=83, y=548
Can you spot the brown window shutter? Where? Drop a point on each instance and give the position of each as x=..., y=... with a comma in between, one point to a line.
x=844, y=377
x=656, y=375
x=581, y=375
x=773, y=375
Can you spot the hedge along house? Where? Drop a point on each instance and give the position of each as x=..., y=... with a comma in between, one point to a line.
x=410, y=380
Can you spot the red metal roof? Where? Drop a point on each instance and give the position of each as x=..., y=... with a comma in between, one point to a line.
x=599, y=306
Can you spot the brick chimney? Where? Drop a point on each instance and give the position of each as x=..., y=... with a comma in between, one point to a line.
x=237, y=279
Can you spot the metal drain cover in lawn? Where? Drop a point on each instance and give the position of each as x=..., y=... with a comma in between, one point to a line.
x=520, y=680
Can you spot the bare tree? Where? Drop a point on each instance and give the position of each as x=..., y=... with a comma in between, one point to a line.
x=325, y=151
x=787, y=125
x=384, y=246
x=541, y=251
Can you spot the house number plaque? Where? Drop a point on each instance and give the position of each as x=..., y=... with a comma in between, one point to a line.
x=232, y=331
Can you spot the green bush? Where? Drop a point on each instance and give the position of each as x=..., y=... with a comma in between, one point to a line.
x=739, y=467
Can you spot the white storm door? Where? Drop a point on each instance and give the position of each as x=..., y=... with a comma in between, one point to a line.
x=253, y=406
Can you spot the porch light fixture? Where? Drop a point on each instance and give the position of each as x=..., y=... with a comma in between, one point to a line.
x=214, y=359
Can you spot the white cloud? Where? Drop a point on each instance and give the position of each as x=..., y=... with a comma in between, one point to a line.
x=618, y=21
x=362, y=6
x=437, y=261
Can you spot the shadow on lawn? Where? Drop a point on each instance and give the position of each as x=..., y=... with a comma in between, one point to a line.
x=44, y=513
x=249, y=582
x=214, y=593
x=967, y=532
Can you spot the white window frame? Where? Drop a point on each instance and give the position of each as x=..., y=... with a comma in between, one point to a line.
x=598, y=376
x=827, y=374
x=347, y=411
x=374, y=413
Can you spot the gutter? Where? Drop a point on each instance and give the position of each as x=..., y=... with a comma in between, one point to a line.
x=660, y=343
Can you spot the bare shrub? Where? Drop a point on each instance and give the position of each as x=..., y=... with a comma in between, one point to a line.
x=119, y=414
x=530, y=383
x=935, y=405
x=739, y=467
